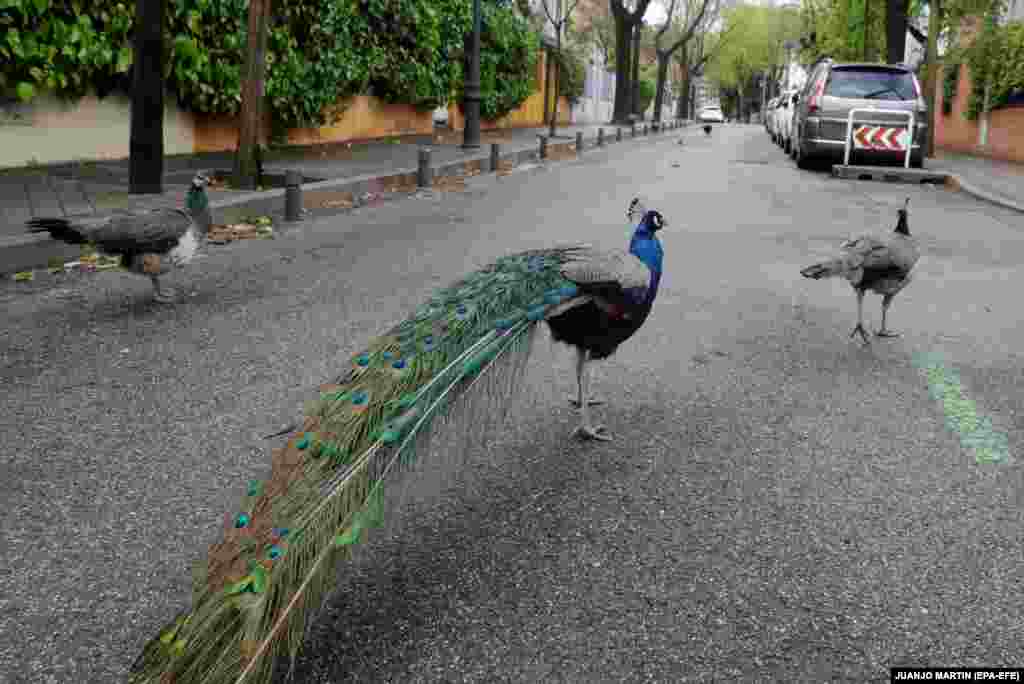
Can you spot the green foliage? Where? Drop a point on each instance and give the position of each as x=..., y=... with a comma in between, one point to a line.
x=756, y=36
x=572, y=72
x=841, y=34
x=996, y=59
x=950, y=79
x=648, y=87
x=509, y=49
x=56, y=45
x=320, y=52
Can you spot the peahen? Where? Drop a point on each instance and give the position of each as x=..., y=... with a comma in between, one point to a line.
x=457, y=360
x=148, y=243
x=882, y=265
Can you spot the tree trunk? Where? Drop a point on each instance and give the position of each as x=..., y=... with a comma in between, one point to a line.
x=684, y=98
x=547, y=84
x=557, y=79
x=895, y=30
x=246, y=167
x=146, y=138
x=635, y=109
x=623, y=63
x=934, y=25
x=659, y=93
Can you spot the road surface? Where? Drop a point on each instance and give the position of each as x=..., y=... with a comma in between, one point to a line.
x=780, y=504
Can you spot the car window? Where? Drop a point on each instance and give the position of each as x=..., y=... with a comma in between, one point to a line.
x=871, y=84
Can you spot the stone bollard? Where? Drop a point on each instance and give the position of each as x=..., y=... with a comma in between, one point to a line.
x=600, y=137
x=292, y=196
x=543, y=147
x=423, y=171
x=495, y=156
x=579, y=142
x=618, y=135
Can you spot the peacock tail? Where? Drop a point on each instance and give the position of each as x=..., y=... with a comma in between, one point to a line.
x=450, y=366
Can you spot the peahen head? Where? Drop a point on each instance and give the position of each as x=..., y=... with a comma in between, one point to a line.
x=902, y=227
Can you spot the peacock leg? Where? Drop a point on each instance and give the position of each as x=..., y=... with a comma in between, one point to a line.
x=885, y=332
x=159, y=294
x=860, y=319
x=577, y=401
x=585, y=429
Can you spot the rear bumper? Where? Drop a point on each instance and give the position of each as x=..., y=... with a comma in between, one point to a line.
x=825, y=138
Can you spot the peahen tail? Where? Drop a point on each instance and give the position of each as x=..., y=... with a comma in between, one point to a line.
x=839, y=266
x=449, y=366
x=59, y=229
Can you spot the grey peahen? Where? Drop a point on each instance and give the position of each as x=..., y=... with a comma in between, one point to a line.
x=449, y=369
x=149, y=243
x=882, y=265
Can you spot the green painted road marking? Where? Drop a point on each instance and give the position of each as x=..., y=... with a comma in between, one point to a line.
x=962, y=418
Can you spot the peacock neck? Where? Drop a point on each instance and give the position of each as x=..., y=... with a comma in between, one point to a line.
x=198, y=205
x=646, y=247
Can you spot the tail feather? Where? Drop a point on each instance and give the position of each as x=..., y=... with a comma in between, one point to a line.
x=447, y=372
x=59, y=229
x=828, y=269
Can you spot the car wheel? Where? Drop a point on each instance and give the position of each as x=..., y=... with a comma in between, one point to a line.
x=916, y=163
x=802, y=160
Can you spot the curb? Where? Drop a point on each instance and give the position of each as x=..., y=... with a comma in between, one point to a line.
x=30, y=251
x=955, y=182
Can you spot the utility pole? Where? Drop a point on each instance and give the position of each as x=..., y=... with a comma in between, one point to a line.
x=471, y=92
x=251, y=116
x=146, y=139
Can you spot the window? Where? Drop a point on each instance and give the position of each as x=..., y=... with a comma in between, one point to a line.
x=871, y=84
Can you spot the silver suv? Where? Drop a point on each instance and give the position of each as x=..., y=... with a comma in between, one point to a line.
x=824, y=104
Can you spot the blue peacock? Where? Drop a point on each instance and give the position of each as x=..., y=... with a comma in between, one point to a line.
x=449, y=367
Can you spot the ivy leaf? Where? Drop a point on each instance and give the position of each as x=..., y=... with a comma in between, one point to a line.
x=124, y=59
x=26, y=91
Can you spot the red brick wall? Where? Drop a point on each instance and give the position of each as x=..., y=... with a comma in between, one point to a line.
x=956, y=133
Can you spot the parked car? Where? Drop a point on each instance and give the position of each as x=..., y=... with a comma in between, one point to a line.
x=776, y=128
x=834, y=89
x=711, y=114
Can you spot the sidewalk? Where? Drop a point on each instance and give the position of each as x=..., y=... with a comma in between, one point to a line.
x=991, y=180
x=100, y=189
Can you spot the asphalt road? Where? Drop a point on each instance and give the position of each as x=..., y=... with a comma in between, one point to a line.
x=779, y=504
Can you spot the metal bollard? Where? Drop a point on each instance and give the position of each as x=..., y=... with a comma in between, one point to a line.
x=543, y=147
x=579, y=142
x=292, y=196
x=645, y=129
x=600, y=137
x=423, y=171
x=495, y=156
x=618, y=135
x=632, y=130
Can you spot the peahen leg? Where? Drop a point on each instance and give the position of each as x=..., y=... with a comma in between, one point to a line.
x=161, y=295
x=885, y=332
x=585, y=429
x=860, y=319
x=577, y=401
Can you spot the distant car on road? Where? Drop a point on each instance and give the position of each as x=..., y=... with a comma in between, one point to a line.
x=711, y=115
x=834, y=89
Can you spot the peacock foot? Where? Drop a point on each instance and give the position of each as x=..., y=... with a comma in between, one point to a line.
x=592, y=401
x=887, y=333
x=596, y=432
x=863, y=333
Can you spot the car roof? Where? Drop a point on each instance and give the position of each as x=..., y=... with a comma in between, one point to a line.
x=870, y=65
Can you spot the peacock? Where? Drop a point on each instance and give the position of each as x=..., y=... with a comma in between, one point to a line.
x=882, y=265
x=449, y=370
x=148, y=243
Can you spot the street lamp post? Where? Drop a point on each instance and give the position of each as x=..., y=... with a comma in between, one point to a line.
x=471, y=94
